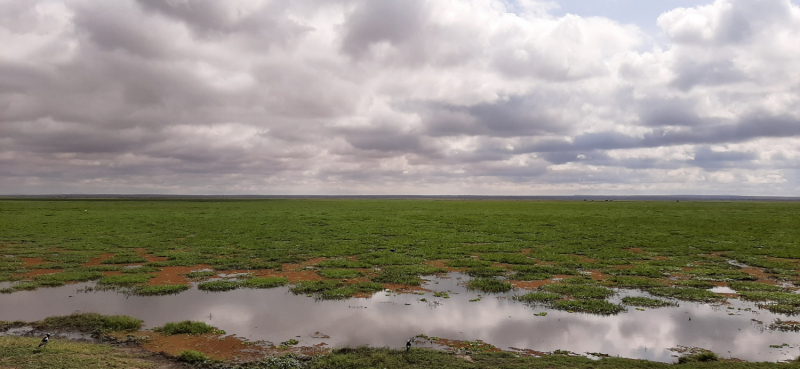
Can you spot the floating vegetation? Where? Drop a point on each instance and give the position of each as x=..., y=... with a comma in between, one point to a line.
x=646, y=302
x=538, y=297
x=600, y=307
x=187, y=327
x=158, y=290
x=686, y=293
x=489, y=285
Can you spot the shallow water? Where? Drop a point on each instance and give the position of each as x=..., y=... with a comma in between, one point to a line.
x=276, y=315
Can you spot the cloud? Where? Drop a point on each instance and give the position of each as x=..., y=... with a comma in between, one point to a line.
x=355, y=96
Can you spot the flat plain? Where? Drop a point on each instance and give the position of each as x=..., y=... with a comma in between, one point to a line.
x=568, y=254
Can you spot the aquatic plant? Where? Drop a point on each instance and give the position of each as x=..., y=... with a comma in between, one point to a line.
x=90, y=322
x=646, y=302
x=218, y=286
x=158, y=290
x=186, y=327
x=489, y=285
x=125, y=279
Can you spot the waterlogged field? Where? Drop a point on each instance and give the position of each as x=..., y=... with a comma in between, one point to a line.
x=606, y=262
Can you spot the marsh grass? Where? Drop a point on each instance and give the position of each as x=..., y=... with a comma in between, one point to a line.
x=340, y=273
x=306, y=287
x=200, y=274
x=192, y=357
x=186, y=327
x=468, y=263
x=538, y=297
x=635, y=282
x=58, y=279
x=91, y=322
x=219, y=286
x=486, y=271
x=646, y=302
x=124, y=259
x=158, y=290
x=408, y=274
x=754, y=286
x=22, y=353
x=489, y=285
x=579, y=291
x=599, y=307
x=349, y=290
x=686, y=293
x=264, y=282
x=125, y=279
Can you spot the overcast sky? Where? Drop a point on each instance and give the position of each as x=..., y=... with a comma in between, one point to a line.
x=483, y=97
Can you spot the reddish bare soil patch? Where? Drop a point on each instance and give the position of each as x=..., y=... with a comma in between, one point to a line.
x=441, y=264
x=174, y=274
x=29, y=262
x=531, y=285
x=150, y=257
x=215, y=346
x=98, y=260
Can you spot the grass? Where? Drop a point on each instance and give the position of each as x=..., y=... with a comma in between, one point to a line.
x=538, y=297
x=635, y=282
x=200, y=274
x=754, y=286
x=58, y=279
x=124, y=259
x=125, y=279
x=486, y=271
x=340, y=273
x=579, y=291
x=219, y=286
x=308, y=287
x=192, y=357
x=408, y=275
x=350, y=290
x=264, y=282
x=185, y=327
x=90, y=322
x=158, y=290
x=21, y=353
x=489, y=285
x=646, y=302
x=190, y=232
x=600, y=307
x=686, y=293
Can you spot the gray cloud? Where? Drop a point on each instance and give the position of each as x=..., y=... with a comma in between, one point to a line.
x=394, y=96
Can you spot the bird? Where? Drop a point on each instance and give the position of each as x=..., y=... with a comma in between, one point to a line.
x=45, y=340
x=408, y=345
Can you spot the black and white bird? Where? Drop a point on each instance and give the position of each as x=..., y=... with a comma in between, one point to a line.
x=408, y=345
x=45, y=340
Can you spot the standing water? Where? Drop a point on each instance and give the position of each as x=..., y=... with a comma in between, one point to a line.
x=736, y=330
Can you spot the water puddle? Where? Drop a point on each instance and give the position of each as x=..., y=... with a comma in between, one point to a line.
x=738, y=329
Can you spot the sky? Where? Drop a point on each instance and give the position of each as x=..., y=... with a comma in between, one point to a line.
x=414, y=97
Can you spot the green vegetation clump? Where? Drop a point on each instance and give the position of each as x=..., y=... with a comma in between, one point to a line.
x=307, y=287
x=91, y=322
x=600, y=307
x=635, y=282
x=186, y=327
x=754, y=286
x=125, y=279
x=489, y=285
x=264, y=282
x=340, y=273
x=143, y=269
x=218, y=286
x=200, y=274
x=58, y=279
x=349, y=290
x=343, y=263
x=704, y=356
x=192, y=357
x=486, y=271
x=21, y=286
x=508, y=258
x=468, y=263
x=124, y=259
x=646, y=302
x=538, y=297
x=408, y=274
x=21, y=353
x=580, y=291
x=158, y=290
x=695, y=284
x=721, y=275
x=686, y=293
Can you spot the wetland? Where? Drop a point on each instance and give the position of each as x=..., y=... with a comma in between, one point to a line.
x=650, y=280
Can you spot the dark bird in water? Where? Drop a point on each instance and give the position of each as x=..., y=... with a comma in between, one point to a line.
x=45, y=340
x=408, y=345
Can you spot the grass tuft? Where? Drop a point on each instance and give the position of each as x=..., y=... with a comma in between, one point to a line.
x=185, y=327
x=91, y=322
x=489, y=285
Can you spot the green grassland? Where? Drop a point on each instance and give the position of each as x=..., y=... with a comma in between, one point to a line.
x=636, y=242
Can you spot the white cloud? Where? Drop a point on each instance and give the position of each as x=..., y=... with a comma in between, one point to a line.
x=395, y=97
